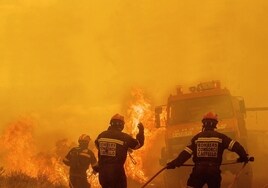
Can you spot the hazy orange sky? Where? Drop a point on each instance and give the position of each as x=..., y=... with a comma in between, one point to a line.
x=73, y=64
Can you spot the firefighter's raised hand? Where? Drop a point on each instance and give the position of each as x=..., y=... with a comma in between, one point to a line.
x=95, y=169
x=140, y=135
x=141, y=127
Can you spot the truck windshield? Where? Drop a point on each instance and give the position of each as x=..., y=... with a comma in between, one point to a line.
x=191, y=110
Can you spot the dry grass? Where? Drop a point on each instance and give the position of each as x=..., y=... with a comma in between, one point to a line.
x=18, y=179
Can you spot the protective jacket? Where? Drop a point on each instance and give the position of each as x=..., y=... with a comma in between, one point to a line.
x=207, y=149
x=112, y=147
x=79, y=159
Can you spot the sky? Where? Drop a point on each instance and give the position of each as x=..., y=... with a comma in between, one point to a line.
x=73, y=64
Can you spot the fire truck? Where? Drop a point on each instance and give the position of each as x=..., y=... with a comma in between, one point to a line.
x=183, y=115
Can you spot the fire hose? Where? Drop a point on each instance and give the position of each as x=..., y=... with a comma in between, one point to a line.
x=233, y=162
x=239, y=172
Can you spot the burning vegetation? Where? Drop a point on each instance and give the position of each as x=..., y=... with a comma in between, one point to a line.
x=138, y=165
x=23, y=165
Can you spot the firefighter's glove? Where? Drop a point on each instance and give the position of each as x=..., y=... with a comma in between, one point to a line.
x=95, y=169
x=171, y=165
x=141, y=127
x=243, y=159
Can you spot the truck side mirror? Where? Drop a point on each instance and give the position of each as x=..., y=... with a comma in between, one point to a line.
x=158, y=111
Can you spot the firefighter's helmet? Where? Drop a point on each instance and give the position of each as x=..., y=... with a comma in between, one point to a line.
x=210, y=116
x=210, y=120
x=118, y=121
x=84, y=138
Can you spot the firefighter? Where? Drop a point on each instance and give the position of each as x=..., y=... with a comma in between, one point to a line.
x=113, y=146
x=207, y=149
x=79, y=159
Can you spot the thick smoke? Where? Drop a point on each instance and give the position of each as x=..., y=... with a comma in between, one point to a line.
x=71, y=66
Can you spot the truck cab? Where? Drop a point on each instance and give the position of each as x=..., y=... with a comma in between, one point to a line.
x=184, y=112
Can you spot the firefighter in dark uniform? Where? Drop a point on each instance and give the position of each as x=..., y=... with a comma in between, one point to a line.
x=113, y=146
x=79, y=159
x=207, y=149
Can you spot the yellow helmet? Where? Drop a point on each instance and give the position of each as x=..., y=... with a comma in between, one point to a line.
x=84, y=138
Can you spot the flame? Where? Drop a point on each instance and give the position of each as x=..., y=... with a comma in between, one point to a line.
x=140, y=110
x=91, y=176
x=93, y=179
x=19, y=146
x=20, y=153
